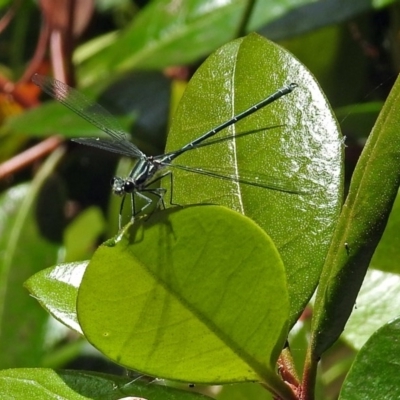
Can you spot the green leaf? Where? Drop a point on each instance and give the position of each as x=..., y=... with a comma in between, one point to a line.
x=382, y=290
x=56, y=289
x=165, y=34
x=196, y=294
x=53, y=118
x=375, y=372
x=318, y=14
x=47, y=384
x=296, y=144
x=24, y=251
x=382, y=3
x=81, y=236
x=372, y=192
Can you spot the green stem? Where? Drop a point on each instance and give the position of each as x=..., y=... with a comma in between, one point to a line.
x=242, y=28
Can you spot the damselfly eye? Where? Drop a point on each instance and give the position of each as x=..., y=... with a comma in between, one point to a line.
x=128, y=187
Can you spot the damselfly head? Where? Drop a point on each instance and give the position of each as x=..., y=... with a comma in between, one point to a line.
x=118, y=186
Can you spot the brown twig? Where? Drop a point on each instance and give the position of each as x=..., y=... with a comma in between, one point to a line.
x=29, y=156
x=9, y=15
x=39, y=55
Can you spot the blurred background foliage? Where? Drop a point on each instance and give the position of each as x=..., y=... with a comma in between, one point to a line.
x=135, y=57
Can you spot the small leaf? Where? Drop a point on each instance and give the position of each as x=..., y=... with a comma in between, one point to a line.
x=197, y=295
x=375, y=371
x=56, y=289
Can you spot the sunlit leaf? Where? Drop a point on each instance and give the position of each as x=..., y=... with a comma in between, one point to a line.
x=380, y=289
x=56, y=289
x=187, y=294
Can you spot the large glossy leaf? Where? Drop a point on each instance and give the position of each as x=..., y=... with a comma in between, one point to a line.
x=375, y=372
x=23, y=251
x=372, y=193
x=197, y=294
x=48, y=384
x=296, y=144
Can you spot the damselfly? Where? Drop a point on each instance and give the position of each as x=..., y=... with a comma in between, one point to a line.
x=148, y=169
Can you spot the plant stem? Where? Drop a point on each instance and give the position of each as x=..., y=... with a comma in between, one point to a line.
x=242, y=29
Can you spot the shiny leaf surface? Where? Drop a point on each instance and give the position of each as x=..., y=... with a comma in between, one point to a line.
x=295, y=143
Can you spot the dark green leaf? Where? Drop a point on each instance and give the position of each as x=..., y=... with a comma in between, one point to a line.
x=372, y=192
x=319, y=14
